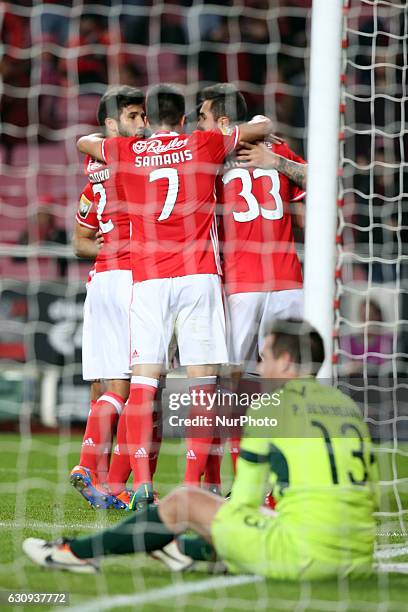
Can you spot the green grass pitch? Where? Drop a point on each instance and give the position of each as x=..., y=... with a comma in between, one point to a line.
x=37, y=500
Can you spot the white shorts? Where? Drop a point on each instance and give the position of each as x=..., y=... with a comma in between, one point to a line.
x=106, y=331
x=190, y=308
x=250, y=315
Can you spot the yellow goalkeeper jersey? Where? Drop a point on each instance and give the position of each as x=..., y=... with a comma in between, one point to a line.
x=318, y=459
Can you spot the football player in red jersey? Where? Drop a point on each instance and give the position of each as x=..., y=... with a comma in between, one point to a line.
x=262, y=272
x=168, y=181
x=102, y=232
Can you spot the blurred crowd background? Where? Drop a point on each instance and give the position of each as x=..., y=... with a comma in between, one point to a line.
x=59, y=57
x=67, y=51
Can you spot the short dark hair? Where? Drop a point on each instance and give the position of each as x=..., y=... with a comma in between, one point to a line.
x=301, y=340
x=115, y=99
x=227, y=101
x=165, y=104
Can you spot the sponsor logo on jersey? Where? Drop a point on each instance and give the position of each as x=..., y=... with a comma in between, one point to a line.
x=84, y=207
x=94, y=165
x=157, y=146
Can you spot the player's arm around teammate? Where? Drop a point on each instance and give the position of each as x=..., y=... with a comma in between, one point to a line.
x=259, y=156
x=92, y=144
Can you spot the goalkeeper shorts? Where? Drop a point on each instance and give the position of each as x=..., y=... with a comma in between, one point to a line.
x=257, y=542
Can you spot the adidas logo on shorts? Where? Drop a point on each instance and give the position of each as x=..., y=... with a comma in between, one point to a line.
x=190, y=454
x=116, y=450
x=218, y=450
x=141, y=452
x=88, y=442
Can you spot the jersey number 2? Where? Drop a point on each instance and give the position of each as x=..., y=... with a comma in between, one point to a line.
x=254, y=208
x=99, y=189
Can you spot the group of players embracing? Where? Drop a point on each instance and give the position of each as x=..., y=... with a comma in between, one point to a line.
x=159, y=200
x=148, y=215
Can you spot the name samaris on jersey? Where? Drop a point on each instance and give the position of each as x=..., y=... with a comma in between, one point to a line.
x=163, y=153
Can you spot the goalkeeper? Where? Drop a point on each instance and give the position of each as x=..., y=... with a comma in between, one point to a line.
x=322, y=470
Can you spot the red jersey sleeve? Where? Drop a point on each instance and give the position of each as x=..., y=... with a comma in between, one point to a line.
x=86, y=213
x=111, y=149
x=221, y=146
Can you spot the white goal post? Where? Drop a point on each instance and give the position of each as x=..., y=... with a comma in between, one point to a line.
x=323, y=155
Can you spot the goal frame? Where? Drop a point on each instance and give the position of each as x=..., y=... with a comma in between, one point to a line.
x=323, y=159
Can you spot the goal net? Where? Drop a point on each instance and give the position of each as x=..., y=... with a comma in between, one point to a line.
x=57, y=60
x=370, y=352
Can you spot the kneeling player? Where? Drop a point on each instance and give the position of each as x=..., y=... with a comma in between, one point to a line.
x=323, y=476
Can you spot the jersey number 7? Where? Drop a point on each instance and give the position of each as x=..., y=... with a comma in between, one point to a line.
x=171, y=175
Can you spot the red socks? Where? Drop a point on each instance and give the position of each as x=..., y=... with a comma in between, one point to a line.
x=199, y=439
x=212, y=475
x=139, y=425
x=157, y=434
x=235, y=444
x=97, y=441
x=120, y=469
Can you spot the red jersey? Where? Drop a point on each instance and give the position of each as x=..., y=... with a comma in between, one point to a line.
x=102, y=208
x=256, y=227
x=169, y=185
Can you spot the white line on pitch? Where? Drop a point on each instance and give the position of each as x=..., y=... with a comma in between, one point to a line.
x=389, y=553
x=385, y=552
x=397, y=568
x=31, y=470
x=172, y=591
x=28, y=524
